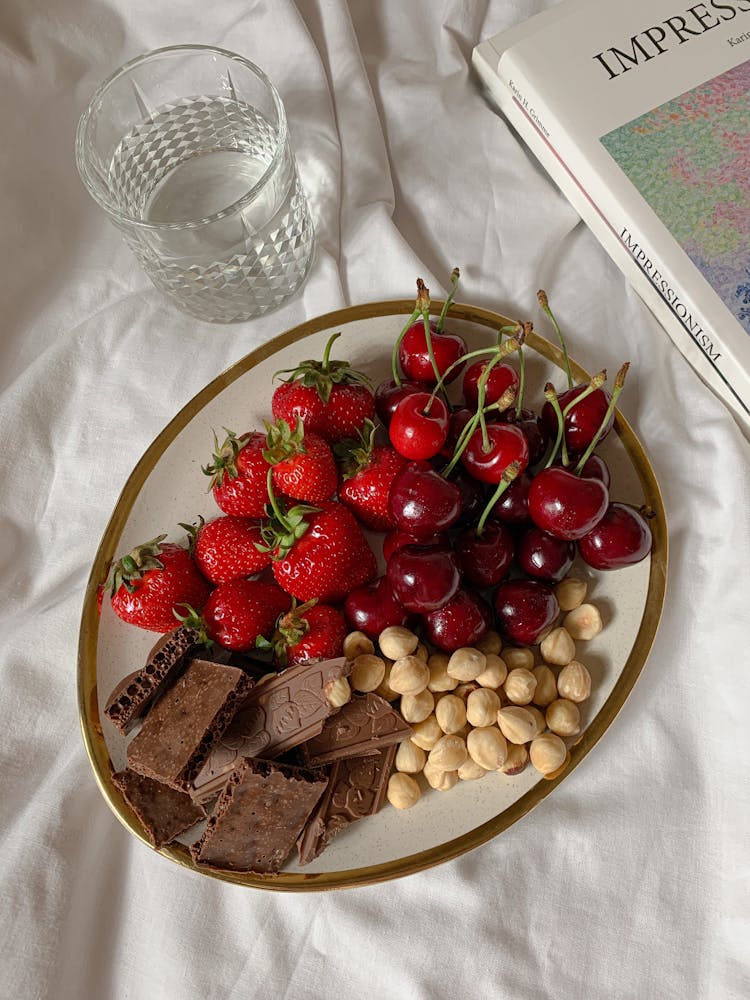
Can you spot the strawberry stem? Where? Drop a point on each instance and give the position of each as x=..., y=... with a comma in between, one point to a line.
x=617, y=388
x=327, y=351
x=507, y=478
x=455, y=275
x=544, y=303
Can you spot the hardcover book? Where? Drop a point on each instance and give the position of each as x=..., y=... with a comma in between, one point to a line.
x=640, y=112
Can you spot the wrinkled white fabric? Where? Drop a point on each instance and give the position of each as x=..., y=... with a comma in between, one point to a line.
x=631, y=880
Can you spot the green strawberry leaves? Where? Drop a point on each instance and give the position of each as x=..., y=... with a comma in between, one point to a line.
x=323, y=375
x=132, y=567
x=224, y=459
x=354, y=453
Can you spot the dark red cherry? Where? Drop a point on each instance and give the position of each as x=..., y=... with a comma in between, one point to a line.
x=501, y=377
x=566, y=505
x=487, y=558
x=372, y=608
x=472, y=496
x=423, y=578
x=458, y=420
x=526, y=610
x=421, y=502
x=513, y=505
x=584, y=419
x=416, y=432
x=621, y=538
x=397, y=539
x=535, y=435
x=543, y=556
x=388, y=395
x=506, y=444
x=596, y=468
x=414, y=357
x=461, y=622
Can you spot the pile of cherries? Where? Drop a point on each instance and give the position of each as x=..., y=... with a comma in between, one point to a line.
x=495, y=499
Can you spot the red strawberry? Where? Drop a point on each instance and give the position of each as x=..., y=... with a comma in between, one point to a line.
x=308, y=633
x=227, y=548
x=240, y=612
x=303, y=464
x=153, y=579
x=330, y=397
x=368, y=471
x=238, y=474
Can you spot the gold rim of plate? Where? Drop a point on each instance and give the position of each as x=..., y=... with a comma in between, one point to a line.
x=88, y=702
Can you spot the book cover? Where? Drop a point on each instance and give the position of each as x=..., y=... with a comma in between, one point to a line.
x=641, y=114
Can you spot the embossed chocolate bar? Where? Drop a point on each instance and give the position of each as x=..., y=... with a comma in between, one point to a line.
x=364, y=726
x=277, y=715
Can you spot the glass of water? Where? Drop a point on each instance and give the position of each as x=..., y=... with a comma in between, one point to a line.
x=187, y=151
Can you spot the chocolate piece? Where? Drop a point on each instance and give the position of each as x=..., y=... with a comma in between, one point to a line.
x=179, y=731
x=356, y=789
x=132, y=696
x=164, y=813
x=277, y=715
x=258, y=817
x=363, y=726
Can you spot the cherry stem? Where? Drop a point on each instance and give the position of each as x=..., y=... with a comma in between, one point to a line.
x=507, y=478
x=596, y=383
x=503, y=403
x=544, y=303
x=455, y=275
x=394, y=354
x=617, y=388
x=551, y=396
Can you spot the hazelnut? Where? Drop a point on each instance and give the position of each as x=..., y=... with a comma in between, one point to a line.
x=518, y=656
x=516, y=724
x=490, y=644
x=471, y=771
x=409, y=675
x=368, y=672
x=384, y=689
x=519, y=686
x=546, y=685
x=397, y=641
x=487, y=747
x=422, y=652
x=356, y=643
x=450, y=713
x=440, y=680
x=403, y=791
x=558, y=647
x=416, y=707
x=517, y=759
x=410, y=758
x=467, y=663
x=583, y=622
x=564, y=717
x=338, y=692
x=482, y=707
x=570, y=592
x=574, y=682
x=494, y=673
x=547, y=753
x=426, y=734
x=438, y=779
x=541, y=721
x=464, y=690
x=448, y=754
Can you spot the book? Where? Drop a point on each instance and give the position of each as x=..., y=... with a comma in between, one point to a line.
x=640, y=113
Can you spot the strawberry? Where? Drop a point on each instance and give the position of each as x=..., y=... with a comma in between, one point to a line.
x=330, y=397
x=226, y=548
x=317, y=552
x=238, y=474
x=153, y=579
x=368, y=470
x=308, y=633
x=303, y=464
x=240, y=612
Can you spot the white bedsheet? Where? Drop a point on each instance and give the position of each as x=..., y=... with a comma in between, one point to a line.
x=631, y=880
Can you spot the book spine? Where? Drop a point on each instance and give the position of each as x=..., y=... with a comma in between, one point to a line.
x=617, y=231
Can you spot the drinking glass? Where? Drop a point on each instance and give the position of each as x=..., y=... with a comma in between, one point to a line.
x=187, y=151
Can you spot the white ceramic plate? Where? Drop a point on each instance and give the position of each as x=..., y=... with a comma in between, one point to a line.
x=167, y=487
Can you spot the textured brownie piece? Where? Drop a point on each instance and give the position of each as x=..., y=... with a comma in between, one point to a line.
x=277, y=715
x=179, y=731
x=163, y=812
x=258, y=817
x=365, y=725
x=133, y=695
x=356, y=789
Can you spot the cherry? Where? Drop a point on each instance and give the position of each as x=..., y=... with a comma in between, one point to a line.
x=461, y=622
x=536, y=437
x=513, y=505
x=421, y=502
x=583, y=420
x=485, y=559
x=526, y=610
x=397, y=539
x=566, y=505
x=373, y=607
x=500, y=378
x=596, y=468
x=621, y=538
x=544, y=557
x=423, y=578
x=506, y=444
x=458, y=420
x=472, y=496
x=414, y=355
x=389, y=394
x=415, y=431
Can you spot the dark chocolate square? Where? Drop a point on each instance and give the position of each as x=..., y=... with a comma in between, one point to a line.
x=163, y=812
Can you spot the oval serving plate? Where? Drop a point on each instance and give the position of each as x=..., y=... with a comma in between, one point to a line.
x=167, y=487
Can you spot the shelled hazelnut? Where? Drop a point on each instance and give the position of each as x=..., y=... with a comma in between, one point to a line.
x=356, y=643
x=564, y=717
x=368, y=672
x=410, y=758
x=546, y=685
x=397, y=641
x=558, y=648
x=487, y=747
x=494, y=673
x=409, y=675
x=440, y=679
x=450, y=712
x=482, y=707
x=548, y=753
x=519, y=686
x=466, y=664
x=518, y=656
x=403, y=791
x=417, y=707
x=574, y=682
x=584, y=622
x=571, y=593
